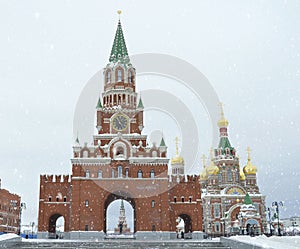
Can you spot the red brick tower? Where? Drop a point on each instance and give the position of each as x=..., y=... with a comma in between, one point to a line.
x=119, y=165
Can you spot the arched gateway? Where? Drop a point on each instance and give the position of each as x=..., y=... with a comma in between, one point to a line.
x=120, y=164
x=117, y=196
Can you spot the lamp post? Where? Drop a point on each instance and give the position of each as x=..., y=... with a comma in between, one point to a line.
x=32, y=225
x=22, y=206
x=241, y=216
x=269, y=215
x=276, y=205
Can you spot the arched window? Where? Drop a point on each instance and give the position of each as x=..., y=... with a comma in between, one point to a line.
x=85, y=153
x=220, y=177
x=126, y=173
x=120, y=151
x=120, y=171
x=175, y=199
x=65, y=199
x=108, y=77
x=237, y=176
x=50, y=198
x=130, y=77
x=182, y=199
x=140, y=173
x=152, y=174
x=100, y=174
x=154, y=153
x=87, y=174
x=119, y=72
x=112, y=173
x=57, y=199
x=153, y=203
x=229, y=175
x=86, y=203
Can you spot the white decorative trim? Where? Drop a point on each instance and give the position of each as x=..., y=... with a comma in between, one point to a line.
x=97, y=160
x=148, y=160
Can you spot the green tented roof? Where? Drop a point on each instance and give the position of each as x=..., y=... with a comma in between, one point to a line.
x=99, y=105
x=248, y=200
x=140, y=104
x=162, y=142
x=119, y=50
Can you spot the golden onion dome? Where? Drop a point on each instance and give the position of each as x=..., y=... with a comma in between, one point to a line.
x=212, y=169
x=242, y=175
x=223, y=122
x=177, y=159
x=203, y=175
x=249, y=169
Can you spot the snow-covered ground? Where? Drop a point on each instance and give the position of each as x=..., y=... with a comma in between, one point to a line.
x=284, y=242
x=8, y=236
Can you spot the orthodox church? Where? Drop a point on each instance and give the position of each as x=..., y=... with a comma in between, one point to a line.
x=121, y=165
x=231, y=201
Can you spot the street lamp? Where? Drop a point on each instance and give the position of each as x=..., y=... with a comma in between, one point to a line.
x=32, y=225
x=22, y=206
x=269, y=215
x=241, y=216
x=276, y=205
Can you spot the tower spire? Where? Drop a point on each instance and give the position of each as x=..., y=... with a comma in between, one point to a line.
x=119, y=50
x=176, y=142
x=248, y=151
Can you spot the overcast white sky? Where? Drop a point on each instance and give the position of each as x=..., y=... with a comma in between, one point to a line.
x=248, y=50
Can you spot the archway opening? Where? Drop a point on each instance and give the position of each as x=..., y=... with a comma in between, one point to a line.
x=56, y=226
x=119, y=206
x=185, y=223
x=119, y=217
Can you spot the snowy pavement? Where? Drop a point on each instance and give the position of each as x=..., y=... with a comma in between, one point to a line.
x=275, y=242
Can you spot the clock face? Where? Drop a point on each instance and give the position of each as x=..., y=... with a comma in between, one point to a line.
x=120, y=122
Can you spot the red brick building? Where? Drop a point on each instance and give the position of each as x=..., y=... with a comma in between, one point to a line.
x=120, y=165
x=9, y=211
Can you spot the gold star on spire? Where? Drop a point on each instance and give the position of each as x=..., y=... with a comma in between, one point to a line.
x=119, y=13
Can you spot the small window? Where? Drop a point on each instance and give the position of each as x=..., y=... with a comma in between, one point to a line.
x=108, y=77
x=126, y=173
x=86, y=228
x=175, y=199
x=182, y=199
x=140, y=173
x=50, y=198
x=153, y=203
x=86, y=203
x=65, y=199
x=220, y=177
x=100, y=174
x=153, y=228
x=87, y=174
x=229, y=175
x=120, y=171
x=119, y=75
x=190, y=199
x=152, y=174
x=129, y=77
x=112, y=173
x=57, y=199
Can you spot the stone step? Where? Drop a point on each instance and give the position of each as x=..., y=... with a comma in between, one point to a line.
x=121, y=245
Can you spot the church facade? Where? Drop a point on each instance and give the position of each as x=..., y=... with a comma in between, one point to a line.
x=120, y=165
x=232, y=202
